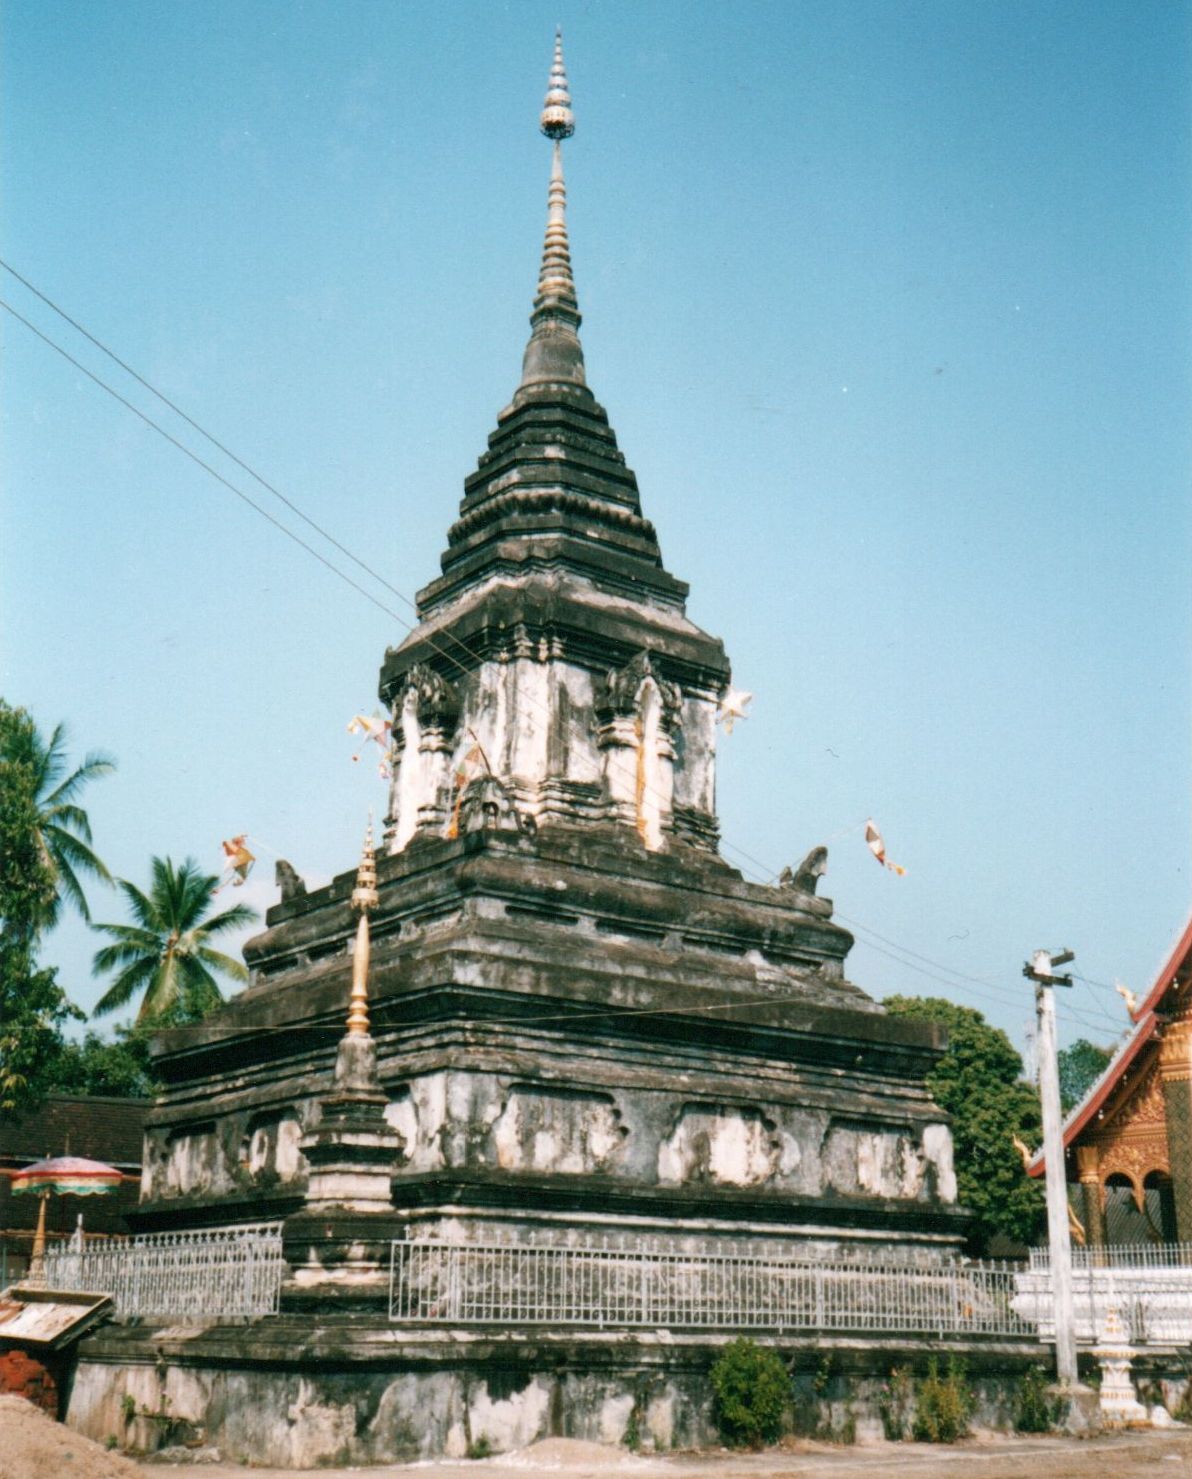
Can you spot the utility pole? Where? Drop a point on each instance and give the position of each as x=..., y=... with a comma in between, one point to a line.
x=1041, y=970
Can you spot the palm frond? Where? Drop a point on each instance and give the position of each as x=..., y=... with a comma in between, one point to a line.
x=140, y=905
x=226, y=963
x=198, y=978
x=69, y=887
x=95, y=764
x=64, y=844
x=133, y=934
x=162, y=991
x=123, y=952
x=48, y=756
x=201, y=995
x=234, y=918
x=124, y=987
x=74, y=818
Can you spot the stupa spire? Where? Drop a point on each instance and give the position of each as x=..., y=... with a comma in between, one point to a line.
x=554, y=352
x=557, y=120
x=364, y=901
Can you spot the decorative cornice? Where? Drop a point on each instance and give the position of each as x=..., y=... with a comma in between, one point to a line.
x=549, y=500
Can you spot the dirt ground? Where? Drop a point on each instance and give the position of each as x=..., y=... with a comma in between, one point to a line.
x=33, y=1447
x=1149, y=1455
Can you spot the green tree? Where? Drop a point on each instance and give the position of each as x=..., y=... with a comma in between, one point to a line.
x=1081, y=1066
x=26, y=878
x=978, y=1081
x=121, y=1064
x=33, y=1007
x=167, y=952
x=33, y=1011
x=60, y=830
x=98, y=1065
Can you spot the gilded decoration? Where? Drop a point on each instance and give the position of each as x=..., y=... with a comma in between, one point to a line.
x=1175, y=1052
x=1131, y=1140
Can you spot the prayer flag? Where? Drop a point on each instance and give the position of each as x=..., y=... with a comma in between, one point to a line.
x=873, y=840
x=238, y=859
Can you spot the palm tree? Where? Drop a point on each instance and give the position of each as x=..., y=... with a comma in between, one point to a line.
x=63, y=833
x=166, y=952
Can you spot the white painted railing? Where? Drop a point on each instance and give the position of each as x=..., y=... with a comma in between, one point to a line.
x=622, y=1288
x=1154, y=1303
x=1122, y=1255
x=214, y=1274
x=237, y=1272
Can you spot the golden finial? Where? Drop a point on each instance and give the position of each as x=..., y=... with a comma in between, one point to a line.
x=364, y=900
x=558, y=121
x=364, y=895
x=554, y=352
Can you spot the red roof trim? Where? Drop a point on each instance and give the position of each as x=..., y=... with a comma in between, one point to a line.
x=1148, y=1025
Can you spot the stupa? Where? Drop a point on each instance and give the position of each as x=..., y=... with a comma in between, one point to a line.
x=582, y=1013
x=587, y=1028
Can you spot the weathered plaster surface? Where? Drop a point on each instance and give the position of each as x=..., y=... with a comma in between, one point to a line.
x=445, y=1402
x=635, y=1121
x=937, y=1152
x=533, y=719
x=729, y=1147
x=557, y=1130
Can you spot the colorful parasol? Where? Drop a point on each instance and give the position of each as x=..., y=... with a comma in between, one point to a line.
x=68, y=1175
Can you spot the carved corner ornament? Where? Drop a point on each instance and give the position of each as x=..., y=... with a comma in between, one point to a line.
x=619, y=693
x=436, y=699
x=486, y=805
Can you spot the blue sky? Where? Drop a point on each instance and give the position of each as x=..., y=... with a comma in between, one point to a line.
x=889, y=304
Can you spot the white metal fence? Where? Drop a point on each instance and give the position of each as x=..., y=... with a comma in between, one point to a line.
x=597, y=1288
x=216, y=1274
x=1122, y=1255
x=1153, y=1302
x=237, y=1272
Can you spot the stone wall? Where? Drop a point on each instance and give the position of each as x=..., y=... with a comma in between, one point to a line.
x=327, y=1402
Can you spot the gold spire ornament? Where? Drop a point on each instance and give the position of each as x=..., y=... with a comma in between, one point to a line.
x=554, y=277
x=364, y=901
x=553, y=353
x=558, y=121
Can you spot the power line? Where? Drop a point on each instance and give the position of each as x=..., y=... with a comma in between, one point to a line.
x=206, y=466
x=241, y=463
x=983, y=982
x=432, y=642
x=208, y=436
x=767, y=873
x=1007, y=996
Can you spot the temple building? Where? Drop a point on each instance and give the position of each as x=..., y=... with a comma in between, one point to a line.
x=1128, y=1143
x=581, y=1011
x=574, y=1026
